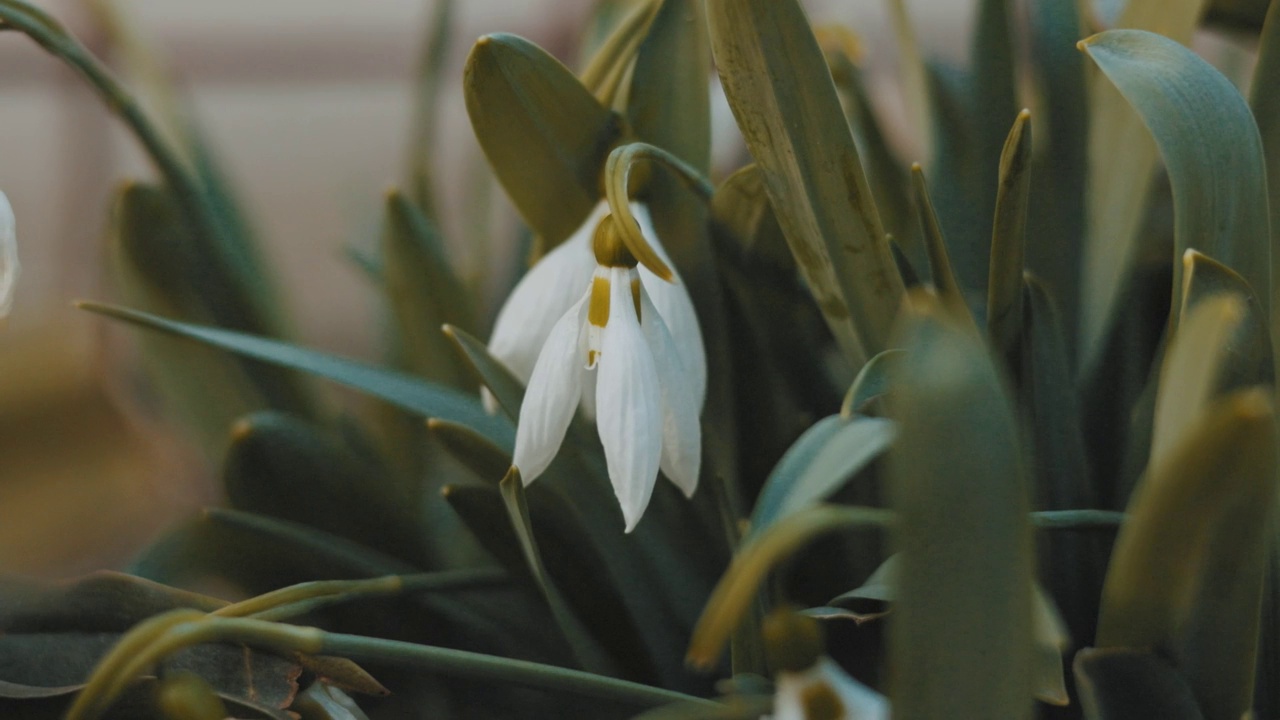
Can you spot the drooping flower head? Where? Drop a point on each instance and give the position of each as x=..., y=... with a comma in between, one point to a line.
x=614, y=346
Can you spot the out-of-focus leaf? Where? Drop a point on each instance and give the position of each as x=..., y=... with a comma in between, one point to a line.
x=781, y=92
x=1248, y=360
x=424, y=291
x=1132, y=684
x=1056, y=213
x=259, y=553
x=152, y=262
x=426, y=113
x=1191, y=368
x=408, y=393
x=1210, y=145
x=1122, y=160
x=1186, y=574
x=284, y=467
x=964, y=541
x=188, y=697
x=1244, y=15
x=967, y=201
x=735, y=594
x=104, y=601
x=1265, y=103
x=24, y=702
x=741, y=206
x=545, y=136
x=873, y=381
x=820, y=462
x=1008, y=238
x=914, y=76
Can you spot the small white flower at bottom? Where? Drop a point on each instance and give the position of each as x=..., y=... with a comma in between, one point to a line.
x=826, y=692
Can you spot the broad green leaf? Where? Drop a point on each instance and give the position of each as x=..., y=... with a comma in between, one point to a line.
x=966, y=565
x=284, y=467
x=1210, y=146
x=1132, y=684
x=1191, y=368
x=1122, y=160
x=609, y=64
x=778, y=85
x=873, y=381
x=1265, y=103
x=424, y=291
x=735, y=594
x=1056, y=213
x=1008, y=238
x=408, y=393
x=820, y=462
x=1187, y=570
x=545, y=136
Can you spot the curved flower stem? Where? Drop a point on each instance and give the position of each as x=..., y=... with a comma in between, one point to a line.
x=617, y=182
x=164, y=635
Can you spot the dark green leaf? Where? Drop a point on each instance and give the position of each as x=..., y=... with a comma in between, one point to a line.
x=1131, y=684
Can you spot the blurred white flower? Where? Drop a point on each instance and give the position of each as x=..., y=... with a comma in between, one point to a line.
x=8, y=256
x=555, y=283
x=615, y=345
x=826, y=692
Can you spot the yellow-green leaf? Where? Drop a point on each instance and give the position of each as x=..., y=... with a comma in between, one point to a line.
x=544, y=134
x=781, y=92
x=1008, y=238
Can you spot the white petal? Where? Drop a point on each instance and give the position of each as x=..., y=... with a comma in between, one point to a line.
x=8, y=256
x=628, y=405
x=860, y=702
x=544, y=294
x=681, y=431
x=551, y=397
x=673, y=302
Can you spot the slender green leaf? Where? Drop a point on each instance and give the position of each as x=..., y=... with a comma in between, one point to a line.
x=403, y=391
x=944, y=279
x=545, y=136
x=426, y=113
x=958, y=486
x=486, y=460
x=1008, y=238
x=670, y=99
x=781, y=92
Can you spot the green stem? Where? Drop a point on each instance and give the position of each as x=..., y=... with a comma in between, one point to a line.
x=1077, y=520
x=476, y=666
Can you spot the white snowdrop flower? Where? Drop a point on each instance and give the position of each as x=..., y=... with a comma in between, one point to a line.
x=554, y=284
x=8, y=256
x=615, y=344
x=826, y=692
